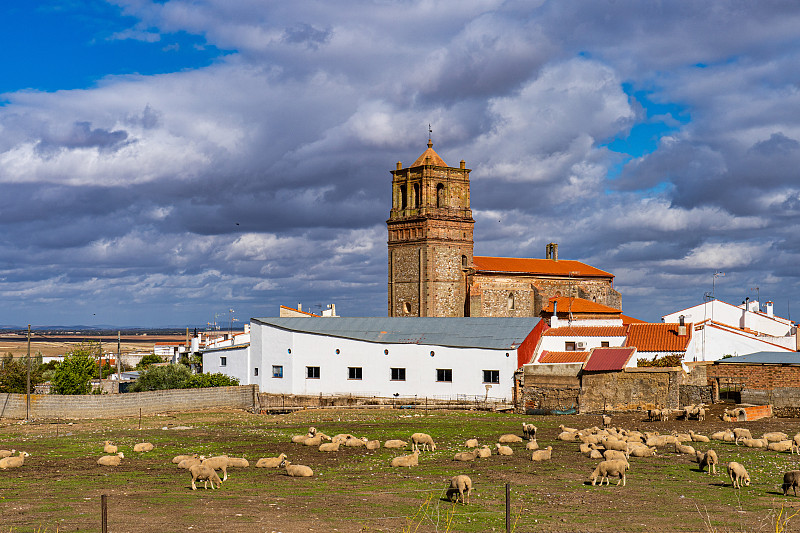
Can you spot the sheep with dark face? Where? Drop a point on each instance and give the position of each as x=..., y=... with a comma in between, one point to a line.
x=460, y=487
x=529, y=431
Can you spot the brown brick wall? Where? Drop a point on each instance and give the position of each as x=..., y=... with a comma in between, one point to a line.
x=52, y=406
x=757, y=377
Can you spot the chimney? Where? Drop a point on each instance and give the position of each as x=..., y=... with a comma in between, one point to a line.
x=681, y=326
x=299, y=307
x=554, y=318
x=769, y=309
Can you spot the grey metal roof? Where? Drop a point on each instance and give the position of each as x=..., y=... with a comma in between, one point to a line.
x=765, y=358
x=471, y=332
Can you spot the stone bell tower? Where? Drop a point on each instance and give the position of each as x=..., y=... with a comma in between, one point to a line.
x=430, y=238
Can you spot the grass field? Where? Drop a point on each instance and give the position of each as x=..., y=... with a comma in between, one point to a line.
x=59, y=487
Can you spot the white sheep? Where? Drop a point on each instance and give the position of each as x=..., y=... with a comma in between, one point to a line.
x=188, y=463
x=342, y=437
x=738, y=475
x=708, y=459
x=13, y=461
x=775, y=436
x=680, y=448
x=407, y=460
x=606, y=421
x=460, y=487
x=472, y=443
x=143, y=447
x=329, y=447
x=205, y=474
x=529, y=431
x=296, y=470
x=110, y=460
x=752, y=443
x=6, y=453
x=642, y=451
x=220, y=462
x=532, y=445
x=238, y=462
x=610, y=455
x=509, y=438
x=423, y=439
x=355, y=442
x=299, y=439
x=610, y=468
x=270, y=462
x=312, y=431
x=726, y=435
x=466, y=456
x=742, y=433
x=696, y=437
x=780, y=446
x=178, y=458
x=542, y=455
x=395, y=443
x=372, y=444
x=503, y=450
x=109, y=448
x=484, y=452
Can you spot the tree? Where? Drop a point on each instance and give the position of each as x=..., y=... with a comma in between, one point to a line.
x=14, y=374
x=162, y=377
x=73, y=374
x=148, y=360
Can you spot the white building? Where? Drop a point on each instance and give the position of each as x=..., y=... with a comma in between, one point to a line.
x=385, y=357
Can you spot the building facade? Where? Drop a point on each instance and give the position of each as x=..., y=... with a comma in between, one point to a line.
x=432, y=270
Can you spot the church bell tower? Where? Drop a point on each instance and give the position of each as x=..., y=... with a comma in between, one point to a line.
x=430, y=238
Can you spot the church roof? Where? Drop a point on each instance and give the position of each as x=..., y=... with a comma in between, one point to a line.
x=539, y=266
x=579, y=305
x=435, y=159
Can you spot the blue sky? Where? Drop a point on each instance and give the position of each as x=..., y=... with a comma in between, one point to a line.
x=164, y=162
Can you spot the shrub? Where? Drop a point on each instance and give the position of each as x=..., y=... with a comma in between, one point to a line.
x=668, y=360
x=14, y=374
x=162, y=377
x=211, y=380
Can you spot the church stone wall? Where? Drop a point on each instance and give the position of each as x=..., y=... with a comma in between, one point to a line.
x=404, y=286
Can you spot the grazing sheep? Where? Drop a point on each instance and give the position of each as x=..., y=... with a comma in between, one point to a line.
x=296, y=470
x=407, y=460
x=708, y=459
x=329, y=447
x=542, y=455
x=188, y=463
x=610, y=455
x=614, y=444
x=459, y=485
x=791, y=480
x=270, y=462
x=775, y=436
x=143, y=447
x=653, y=415
x=13, y=462
x=108, y=460
x=423, y=439
x=466, y=456
x=6, y=453
x=781, y=446
x=752, y=443
x=610, y=468
x=642, y=451
x=508, y=438
x=472, y=443
x=696, y=437
x=220, y=462
x=484, y=452
x=529, y=431
x=532, y=445
x=606, y=421
x=738, y=475
x=742, y=433
x=109, y=448
x=178, y=458
x=701, y=414
x=238, y=462
x=680, y=448
x=503, y=450
x=395, y=443
x=205, y=474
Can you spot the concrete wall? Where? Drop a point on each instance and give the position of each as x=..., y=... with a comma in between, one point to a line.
x=52, y=406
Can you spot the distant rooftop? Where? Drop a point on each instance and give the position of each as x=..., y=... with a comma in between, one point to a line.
x=763, y=358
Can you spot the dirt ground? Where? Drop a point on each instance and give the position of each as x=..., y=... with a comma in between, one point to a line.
x=60, y=486
x=17, y=344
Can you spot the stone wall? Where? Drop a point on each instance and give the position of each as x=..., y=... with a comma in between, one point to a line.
x=548, y=387
x=53, y=406
x=636, y=388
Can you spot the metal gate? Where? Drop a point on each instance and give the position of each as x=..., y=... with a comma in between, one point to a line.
x=730, y=389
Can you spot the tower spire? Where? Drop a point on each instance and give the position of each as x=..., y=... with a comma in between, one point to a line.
x=430, y=133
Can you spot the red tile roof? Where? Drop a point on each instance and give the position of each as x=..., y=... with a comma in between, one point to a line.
x=578, y=305
x=586, y=331
x=435, y=159
x=538, y=266
x=608, y=359
x=656, y=337
x=630, y=320
x=562, y=357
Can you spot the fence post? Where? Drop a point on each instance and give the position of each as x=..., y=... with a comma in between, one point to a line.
x=104, y=513
x=508, y=508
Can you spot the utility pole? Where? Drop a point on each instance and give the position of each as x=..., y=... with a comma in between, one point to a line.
x=28, y=397
x=119, y=365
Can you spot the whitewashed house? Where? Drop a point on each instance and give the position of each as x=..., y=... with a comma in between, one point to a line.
x=384, y=357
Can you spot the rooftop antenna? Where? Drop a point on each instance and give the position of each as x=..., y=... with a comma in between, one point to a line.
x=430, y=133
x=758, y=296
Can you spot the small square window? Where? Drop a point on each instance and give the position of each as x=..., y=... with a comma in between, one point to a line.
x=255, y=371
x=277, y=371
x=491, y=376
x=569, y=346
x=604, y=344
x=444, y=374
x=223, y=361
x=312, y=372
x=398, y=374
x=354, y=372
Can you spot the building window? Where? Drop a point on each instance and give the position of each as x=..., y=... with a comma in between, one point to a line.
x=511, y=302
x=491, y=376
x=312, y=372
x=277, y=371
x=416, y=195
x=464, y=260
x=337, y=351
x=255, y=373
x=444, y=374
x=569, y=346
x=223, y=361
x=439, y=195
x=604, y=344
x=386, y=352
x=403, y=199
x=398, y=374
x=353, y=372
x=406, y=307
